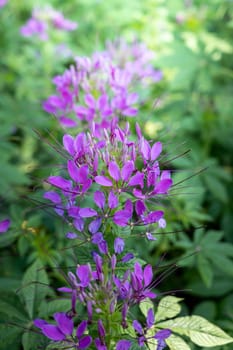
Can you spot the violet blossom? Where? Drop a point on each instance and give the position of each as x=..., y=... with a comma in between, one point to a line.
x=123, y=189
x=102, y=87
x=42, y=20
x=63, y=331
x=4, y=225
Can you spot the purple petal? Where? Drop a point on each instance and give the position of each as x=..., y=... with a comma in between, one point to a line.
x=4, y=225
x=95, y=225
x=137, y=326
x=87, y=212
x=137, y=179
x=103, y=181
x=121, y=218
x=127, y=257
x=64, y=323
x=85, y=342
x=153, y=217
x=166, y=174
x=163, y=334
x=130, y=112
x=79, y=224
x=39, y=323
x=147, y=275
x=127, y=170
x=140, y=207
x=73, y=170
x=129, y=207
x=83, y=174
x=163, y=186
x=101, y=329
x=114, y=171
x=64, y=290
x=138, y=193
x=99, y=199
x=52, y=332
x=119, y=245
x=52, y=196
x=68, y=143
x=156, y=150
x=71, y=235
x=97, y=238
x=103, y=247
x=89, y=100
x=67, y=122
x=83, y=272
x=123, y=345
x=60, y=182
x=81, y=328
x=138, y=271
x=112, y=200
x=150, y=320
x=145, y=149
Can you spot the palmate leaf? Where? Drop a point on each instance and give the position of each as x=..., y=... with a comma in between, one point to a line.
x=200, y=331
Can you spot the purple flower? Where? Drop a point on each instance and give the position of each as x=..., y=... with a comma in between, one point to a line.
x=42, y=20
x=119, y=245
x=4, y=225
x=64, y=329
x=140, y=282
x=160, y=336
x=3, y=3
x=57, y=332
x=34, y=26
x=84, y=341
x=123, y=345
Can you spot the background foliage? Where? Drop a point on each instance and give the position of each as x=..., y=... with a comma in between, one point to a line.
x=190, y=109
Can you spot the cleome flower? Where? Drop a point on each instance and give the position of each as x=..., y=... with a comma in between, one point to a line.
x=63, y=331
x=102, y=88
x=122, y=175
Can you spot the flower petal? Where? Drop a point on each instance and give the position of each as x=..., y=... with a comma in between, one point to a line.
x=64, y=323
x=52, y=332
x=103, y=181
x=114, y=171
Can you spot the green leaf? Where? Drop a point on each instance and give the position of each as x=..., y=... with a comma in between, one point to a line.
x=11, y=311
x=168, y=307
x=198, y=329
x=9, y=284
x=223, y=263
x=9, y=337
x=146, y=305
x=176, y=343
x=32, y=341
x=49, y=308
x=205, y=269
x=35, y=287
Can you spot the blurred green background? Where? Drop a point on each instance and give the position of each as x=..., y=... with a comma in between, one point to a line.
x=190, y=109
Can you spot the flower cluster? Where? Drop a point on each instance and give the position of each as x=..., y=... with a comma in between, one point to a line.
x=42, y=20
x=102, y=88
x=121, y=175
x=112, y=183
x=108, y=297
